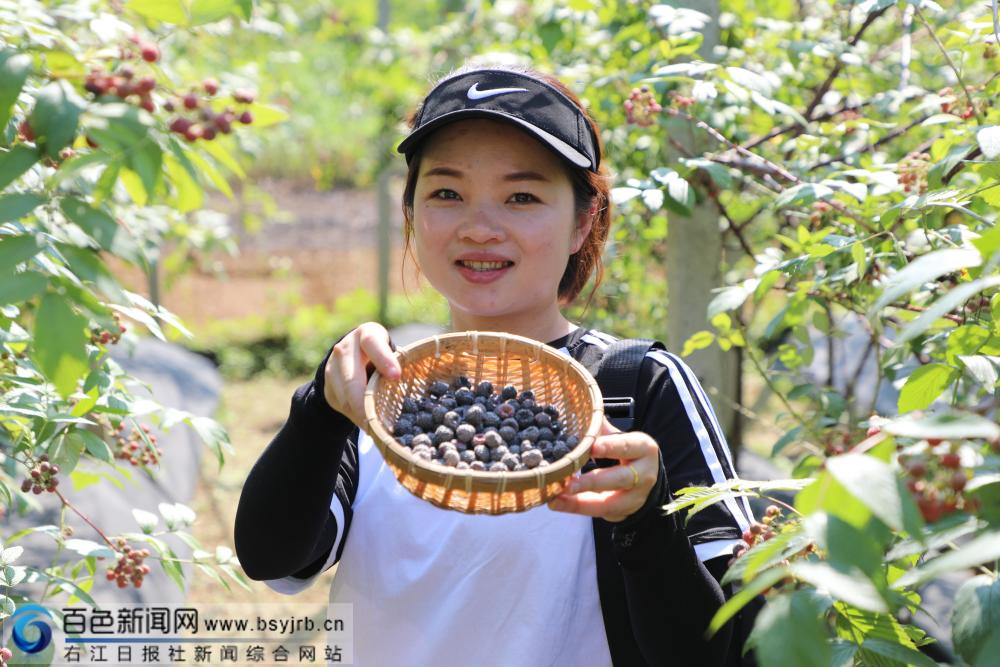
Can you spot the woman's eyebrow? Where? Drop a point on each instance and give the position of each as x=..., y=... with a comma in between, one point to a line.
x=512, y=177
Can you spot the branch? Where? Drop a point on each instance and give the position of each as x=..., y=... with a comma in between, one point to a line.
x=887, y=138
x=825, y=86
x=951, y=64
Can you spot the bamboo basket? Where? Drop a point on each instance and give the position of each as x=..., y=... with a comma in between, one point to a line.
x=503, y=359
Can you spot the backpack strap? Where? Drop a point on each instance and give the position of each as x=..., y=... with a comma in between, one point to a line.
x=618, y=377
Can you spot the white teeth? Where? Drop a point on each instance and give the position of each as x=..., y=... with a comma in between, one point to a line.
x=484, y=266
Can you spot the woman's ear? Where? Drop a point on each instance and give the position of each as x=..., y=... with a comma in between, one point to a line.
x=584, y=222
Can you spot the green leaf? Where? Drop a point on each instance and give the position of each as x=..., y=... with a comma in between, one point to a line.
x=16, y=206
x=925, y=385
x=110, y=235
x=966, y=339
x=850, y=585
x=976, y=615
x=21, y=287
x=97, y=447
x=218, y=151
x=943, y=425
x=859, y=256
x=147, y=161
x=802, y=194
x=697, y=341
x=983, y=368
x=14, y=70
x=15, y=162
x=167, y=11
x=744, y=595
x=207, y=11
x=945, y=305
x=982, y=549
x=790, y=632
x=925, y=268
x=56, y=116
x=874, y=483
x=265, y=115
x=15, y=250
x=60, y=343
x=904, y=654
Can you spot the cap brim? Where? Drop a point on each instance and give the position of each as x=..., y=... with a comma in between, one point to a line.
x=555, y=143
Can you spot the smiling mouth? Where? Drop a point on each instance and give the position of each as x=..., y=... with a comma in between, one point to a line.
x=484, y=266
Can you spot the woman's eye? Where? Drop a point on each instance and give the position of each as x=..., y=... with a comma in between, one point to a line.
x=523, y=198
x=444, y=194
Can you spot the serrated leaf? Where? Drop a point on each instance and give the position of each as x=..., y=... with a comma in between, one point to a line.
x=21, y=287
x=946, y=426
x=981, y=549
x=14, y=70
x=924, y=269
x=60, y=343
x=851, y=586
x=875, y=484
x=790, y=631
x=943, y=306
x=17, y=206
x=15, y=162
x=925, y=385
x=976, y=615
x=56, y=116
x=904, y=654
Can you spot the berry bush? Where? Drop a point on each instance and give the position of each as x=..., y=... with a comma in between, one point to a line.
x=107, y=144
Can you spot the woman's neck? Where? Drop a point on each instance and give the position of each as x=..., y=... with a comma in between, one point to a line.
x=547, y=328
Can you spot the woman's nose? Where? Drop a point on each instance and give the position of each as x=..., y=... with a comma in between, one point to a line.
x=482, y=226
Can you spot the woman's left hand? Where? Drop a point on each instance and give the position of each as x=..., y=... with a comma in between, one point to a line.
x=616, y=492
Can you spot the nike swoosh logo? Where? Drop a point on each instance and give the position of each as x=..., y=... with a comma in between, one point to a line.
x=476, y=94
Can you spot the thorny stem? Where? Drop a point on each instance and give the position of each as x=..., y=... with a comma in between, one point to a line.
x=83, y=516
x=951, y=64
x=788, y=406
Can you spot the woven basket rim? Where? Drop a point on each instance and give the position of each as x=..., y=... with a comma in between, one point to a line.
x=498, y=482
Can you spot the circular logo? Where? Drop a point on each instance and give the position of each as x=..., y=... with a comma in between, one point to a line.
x=30, y=619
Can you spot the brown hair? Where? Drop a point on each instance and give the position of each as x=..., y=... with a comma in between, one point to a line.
x=591, y=194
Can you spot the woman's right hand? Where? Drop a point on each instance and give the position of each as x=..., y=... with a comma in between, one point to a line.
x=345, y=376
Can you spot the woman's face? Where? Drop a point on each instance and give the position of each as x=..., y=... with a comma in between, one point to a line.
x=494, y=223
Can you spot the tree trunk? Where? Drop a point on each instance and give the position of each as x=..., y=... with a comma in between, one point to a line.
x=694, y=259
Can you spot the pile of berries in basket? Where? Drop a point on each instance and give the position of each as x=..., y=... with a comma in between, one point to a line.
x=465, y=427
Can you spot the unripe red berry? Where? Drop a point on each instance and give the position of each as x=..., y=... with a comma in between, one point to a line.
x=917, y=469
x=208, y=133
x=958, y=480
x=26, y=485
x=126, y=72
x=148, y=104
x=773, y=510
x=36, y=489
x=24, y=129
x=934, y=442
x=246, y=117
x=951, y=460
x=150, y=53
x=244, y=96
x=873, y=430
x=756, y=528
x=190, y=101
x=211, y=86
x=748, y=536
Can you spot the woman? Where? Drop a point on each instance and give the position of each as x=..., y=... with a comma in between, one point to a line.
x=507, y=208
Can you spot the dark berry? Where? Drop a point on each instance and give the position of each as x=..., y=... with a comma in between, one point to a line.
x=451, y=419
x=524, y=417
x=460, y=382
x=425, y=420
x=510, y=423
x=443, y=434
x=546, y=434
x=507, y=433
x=508, y=392
x=482, y=452
x=439, y=413
x=26, y=485
x=464, y=396
x=246, y=117
x=484, y=389
x=560, y=450
x=531, y=434
x=492, y=439
x=505, y=411
x=406, y=440
x=448, y=402
x=531, y=458
x=543, y=419
x=451, y=457
x=510, y=461
x=515, y=449
x=529, y=404
x=465, y=432
x=498, y=453
x=496, y=466
x=403, y=427
x=491, y=419
x=475, y=415
x=527, y=394
x=478, y=465
x=409, y=405
x=438, y=388
x=951, y=460
x=572, y=441
x=468, y=456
